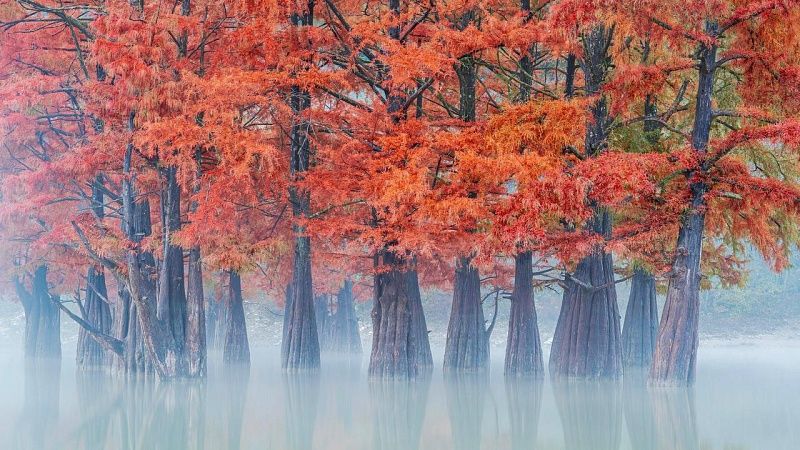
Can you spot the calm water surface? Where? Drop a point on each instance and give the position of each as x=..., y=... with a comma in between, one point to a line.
x=746, y=397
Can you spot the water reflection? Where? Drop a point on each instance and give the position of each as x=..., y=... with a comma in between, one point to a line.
x=465, y=396
x=398, y=410
x=52, y=408
x=302, y=401
x=236, y=391
x=639, y=415
x=524, y=409
x=39, y=416
x=591, y=414
x=674, y=413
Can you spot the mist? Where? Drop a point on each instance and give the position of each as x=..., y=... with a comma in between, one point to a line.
x=746, y=395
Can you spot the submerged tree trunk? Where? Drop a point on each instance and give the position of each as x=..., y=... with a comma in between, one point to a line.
x=675, y=355
x=42, y=318
x=641, y=322
x=237, y=346
x=300, y=346
x=340, y=330
x=523, y=346
x=96, y=308
x=400, y=345
x=467, y=345
x=195, y=317
x=587, y=343
x=90, y=354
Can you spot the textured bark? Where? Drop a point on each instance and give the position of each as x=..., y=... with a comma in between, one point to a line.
x=524, y=409
x=523, y=346
x=237, y=346
x=300, y=346
x=398, y=410
x=400, y=345
x=465, y=394
x=171, y=284
x=337, y=323
x=467, y=344
x=42, y=318
x=591, y=414
x=195, y=317
x=675, y=356
x=196, y=351
x=96, y=307
x=641, y=322
x=587, y=343
x=90, y=354
x=150, y=292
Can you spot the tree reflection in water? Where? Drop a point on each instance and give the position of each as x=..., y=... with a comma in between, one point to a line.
x=524, y=408
x=591, y=414
x=466, y=396
x=398, y=411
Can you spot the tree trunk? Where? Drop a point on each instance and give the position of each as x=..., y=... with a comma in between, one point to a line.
x=171, y=283
x=90, y=354
x=467, y=345
x=675, y=355
x=341, y=327
x=641, y=322
x=154, y=292
x=300, y=347
x=237, y=346
x=195, y=317
x=42, y=318
x=96, y=306
x=400, y=345
x=587, y=343
x=523, y=346
x=195, y=302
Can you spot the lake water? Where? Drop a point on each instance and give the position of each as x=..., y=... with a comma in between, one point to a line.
x=746, y=397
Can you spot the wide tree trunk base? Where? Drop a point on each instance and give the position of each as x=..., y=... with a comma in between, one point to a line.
x=467, y=345
x=641, y=322
x=586, y=344
x=523, y=345
x=400, y=346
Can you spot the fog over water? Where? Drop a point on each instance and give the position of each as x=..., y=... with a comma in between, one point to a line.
x=747, y=396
